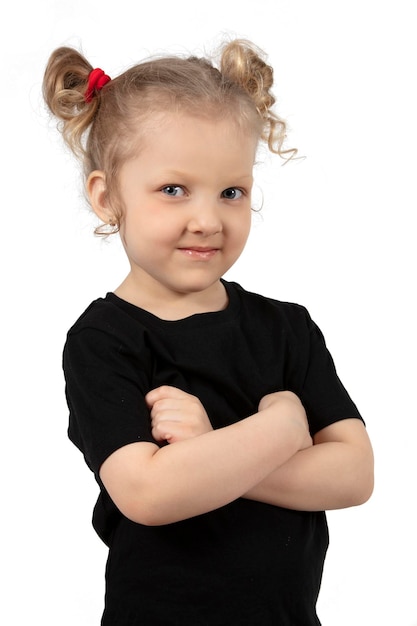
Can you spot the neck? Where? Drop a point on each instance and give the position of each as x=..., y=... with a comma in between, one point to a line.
x=171, y=306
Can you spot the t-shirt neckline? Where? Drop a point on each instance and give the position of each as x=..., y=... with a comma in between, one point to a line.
x=194, y=320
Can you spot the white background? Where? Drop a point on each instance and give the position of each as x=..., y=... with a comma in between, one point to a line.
x=337, y=234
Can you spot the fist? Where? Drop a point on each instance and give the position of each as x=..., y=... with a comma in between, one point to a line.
x=176, y=415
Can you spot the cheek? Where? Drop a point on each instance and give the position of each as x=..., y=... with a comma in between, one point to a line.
x=242, y=228
x=150, y=229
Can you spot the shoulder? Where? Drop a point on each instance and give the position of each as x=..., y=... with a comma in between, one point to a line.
x=106, y=329
x=263, y=308
x=110, y=315
x=101, y=313
x=106, y=345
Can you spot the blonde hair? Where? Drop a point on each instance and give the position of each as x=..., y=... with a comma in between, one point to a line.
x=103, y=133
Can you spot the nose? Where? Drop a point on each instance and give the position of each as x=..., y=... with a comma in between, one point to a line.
x=205, y=219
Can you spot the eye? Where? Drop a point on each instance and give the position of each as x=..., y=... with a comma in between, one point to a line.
x=173, y=190
x=232, y=193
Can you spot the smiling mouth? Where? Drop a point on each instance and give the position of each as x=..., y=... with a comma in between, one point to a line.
x=200, y=253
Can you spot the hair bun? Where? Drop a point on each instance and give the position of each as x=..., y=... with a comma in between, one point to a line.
x=244, y=64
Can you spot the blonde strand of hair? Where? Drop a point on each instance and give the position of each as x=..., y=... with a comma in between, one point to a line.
x=244, y=64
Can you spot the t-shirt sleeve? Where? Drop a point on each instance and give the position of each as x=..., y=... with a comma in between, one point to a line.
x=106, y=382
x=321, y=391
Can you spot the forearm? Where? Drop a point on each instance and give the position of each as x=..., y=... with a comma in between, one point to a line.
x=201, y=474
x=157, y=486
x=330, y=475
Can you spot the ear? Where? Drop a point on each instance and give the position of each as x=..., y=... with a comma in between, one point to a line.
x=97, y=193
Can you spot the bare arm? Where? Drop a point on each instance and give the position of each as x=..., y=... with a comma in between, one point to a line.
x=154, y=486
x=337, y=472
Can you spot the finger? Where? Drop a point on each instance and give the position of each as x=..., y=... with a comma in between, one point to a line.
x=160, y=435
x=167, y=415
x=162, y=431
x=163, y=392
x=172, y=431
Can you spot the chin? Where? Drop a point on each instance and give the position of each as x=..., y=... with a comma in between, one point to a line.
x=197, y=286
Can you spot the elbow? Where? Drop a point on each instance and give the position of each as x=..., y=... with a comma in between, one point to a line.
x=148, y=511
x=367, y=481
x=133, y=503
x=142, y=512
x=362, y=475
x=353, y=494
x=139, y=515
x=134, y=487
x=367, y=488
x=362, y=486
x=363, y=493
x=357, y=486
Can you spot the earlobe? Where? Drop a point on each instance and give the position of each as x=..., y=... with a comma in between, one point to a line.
x=97, y=193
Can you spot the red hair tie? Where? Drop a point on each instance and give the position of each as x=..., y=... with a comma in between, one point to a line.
x=96, y=81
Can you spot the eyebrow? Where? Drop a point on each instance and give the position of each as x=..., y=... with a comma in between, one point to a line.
x=173, y=174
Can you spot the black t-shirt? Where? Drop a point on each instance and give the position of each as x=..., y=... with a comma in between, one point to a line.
x=247, y=563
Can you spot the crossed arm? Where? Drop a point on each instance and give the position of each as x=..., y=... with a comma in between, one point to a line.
x=268, y=457
x=335, y=473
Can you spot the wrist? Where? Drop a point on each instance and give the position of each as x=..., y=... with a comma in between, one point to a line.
x=285, y=412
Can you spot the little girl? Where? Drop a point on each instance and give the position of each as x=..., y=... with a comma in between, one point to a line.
x=213, y=418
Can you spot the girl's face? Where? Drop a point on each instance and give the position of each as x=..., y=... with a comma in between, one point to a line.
x=186, y=206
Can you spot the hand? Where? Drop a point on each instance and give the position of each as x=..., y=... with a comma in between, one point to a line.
x=288, y=402
x=176, y=415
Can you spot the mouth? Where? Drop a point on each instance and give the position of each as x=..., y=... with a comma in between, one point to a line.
x=199, y=252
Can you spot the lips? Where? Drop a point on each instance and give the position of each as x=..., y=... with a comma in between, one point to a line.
x=199, y=252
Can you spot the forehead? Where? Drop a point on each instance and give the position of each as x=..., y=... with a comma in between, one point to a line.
x=196, y=140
